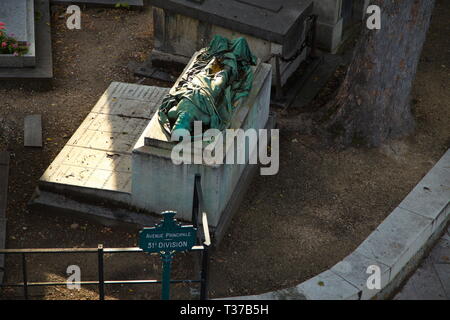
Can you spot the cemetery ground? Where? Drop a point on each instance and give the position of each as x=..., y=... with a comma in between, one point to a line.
x=322, y=204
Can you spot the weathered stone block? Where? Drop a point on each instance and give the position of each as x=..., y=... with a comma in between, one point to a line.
x=329, y=11
x=329, y=36
x=431, y=196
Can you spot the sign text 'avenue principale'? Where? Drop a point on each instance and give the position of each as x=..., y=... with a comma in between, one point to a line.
x=167, y=236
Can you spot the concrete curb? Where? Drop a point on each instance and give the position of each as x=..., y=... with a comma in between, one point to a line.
x=396, y=246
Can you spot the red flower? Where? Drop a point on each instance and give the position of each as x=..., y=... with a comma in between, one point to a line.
x=4, y=44
x=2, y=24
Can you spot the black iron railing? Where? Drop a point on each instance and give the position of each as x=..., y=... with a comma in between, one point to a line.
x=203, y=237
x=100, y=283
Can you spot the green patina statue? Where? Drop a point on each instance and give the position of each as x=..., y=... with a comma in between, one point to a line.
x=220, y=76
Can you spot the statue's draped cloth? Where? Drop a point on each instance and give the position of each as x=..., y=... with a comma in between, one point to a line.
x=220, y=76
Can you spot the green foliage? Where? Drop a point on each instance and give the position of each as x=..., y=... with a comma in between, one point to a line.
x=122, y=5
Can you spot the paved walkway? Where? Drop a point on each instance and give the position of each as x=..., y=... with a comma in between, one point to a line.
x=431, y=281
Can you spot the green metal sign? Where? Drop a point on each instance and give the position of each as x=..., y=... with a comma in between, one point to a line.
x=167, y=238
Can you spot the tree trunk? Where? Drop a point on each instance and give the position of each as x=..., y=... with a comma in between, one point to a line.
x=373, y=102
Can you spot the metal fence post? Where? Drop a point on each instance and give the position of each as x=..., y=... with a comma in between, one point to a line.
x=204, y=275
x=101, y=281
x=167, y=266
x=195, y=202
x=25, y=277
x=313, y=36
x=279, y=87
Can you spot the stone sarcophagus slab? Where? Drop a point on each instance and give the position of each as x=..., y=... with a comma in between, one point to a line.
x=182, y=27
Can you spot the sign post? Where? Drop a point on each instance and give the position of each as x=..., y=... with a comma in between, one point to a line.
x=167, y=238
x=167, y=265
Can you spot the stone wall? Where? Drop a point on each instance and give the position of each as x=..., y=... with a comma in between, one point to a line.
x=330, y=24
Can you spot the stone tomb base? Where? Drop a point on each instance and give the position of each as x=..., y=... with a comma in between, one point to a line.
x=108, y=169
x=159, y=184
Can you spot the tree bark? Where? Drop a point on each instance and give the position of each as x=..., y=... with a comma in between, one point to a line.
x=373, y=102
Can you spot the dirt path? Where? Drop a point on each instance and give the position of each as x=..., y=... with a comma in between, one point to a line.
x=321, y=205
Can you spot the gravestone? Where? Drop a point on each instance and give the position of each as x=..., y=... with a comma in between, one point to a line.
x=158, y=184
x=33, y=131
x=18, y=16
x=116, y=167
x=182, y=27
